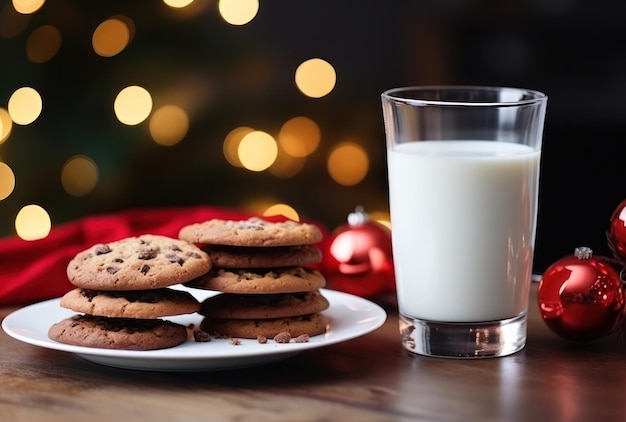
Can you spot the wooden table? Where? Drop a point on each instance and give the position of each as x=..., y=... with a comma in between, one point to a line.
x=366, y=379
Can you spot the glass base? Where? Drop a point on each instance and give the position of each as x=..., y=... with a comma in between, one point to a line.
x=463, y=340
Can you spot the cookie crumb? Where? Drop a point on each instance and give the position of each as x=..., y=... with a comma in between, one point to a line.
x=283, y=337
x=261, y=339
x=302, y=338
x=235, y=341
x=201, y=336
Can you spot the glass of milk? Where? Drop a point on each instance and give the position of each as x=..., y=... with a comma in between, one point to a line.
x=463, y=167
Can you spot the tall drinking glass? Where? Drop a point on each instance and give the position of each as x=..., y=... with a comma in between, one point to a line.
x=463, y=167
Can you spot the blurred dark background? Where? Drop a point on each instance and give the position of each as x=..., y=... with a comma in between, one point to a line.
x=574, y=51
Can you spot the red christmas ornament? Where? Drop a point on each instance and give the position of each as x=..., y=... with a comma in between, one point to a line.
x=617, y=233
x=581, y=297
x=357, y=257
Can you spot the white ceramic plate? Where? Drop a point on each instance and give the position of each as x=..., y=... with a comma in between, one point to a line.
x=349, y=317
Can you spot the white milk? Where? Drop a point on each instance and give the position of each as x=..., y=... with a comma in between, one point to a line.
x=463, y=218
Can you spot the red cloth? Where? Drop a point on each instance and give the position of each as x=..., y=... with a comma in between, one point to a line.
x=31, y=271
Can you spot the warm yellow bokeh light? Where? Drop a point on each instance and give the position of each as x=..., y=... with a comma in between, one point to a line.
x=43, y=44
x=25, y=106
x=238, y=12
x=27, y=7
x=299, y=136
x=348, y=163
x=79, y=175
x=7, y=181
x=6, y=124
x=110, y=37
x=257, y=150
x=315, y=78
x=169, y=125
x=282, y=209
x=133, y=105
x=32, y=223
x=178, y=3
x=231, y=144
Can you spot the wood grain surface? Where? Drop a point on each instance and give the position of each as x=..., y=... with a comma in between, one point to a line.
x=366, y=379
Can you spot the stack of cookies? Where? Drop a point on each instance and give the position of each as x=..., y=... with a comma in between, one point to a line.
x=262, y=270
x=123, y=290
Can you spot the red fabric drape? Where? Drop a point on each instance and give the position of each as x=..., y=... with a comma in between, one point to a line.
x=31, y=271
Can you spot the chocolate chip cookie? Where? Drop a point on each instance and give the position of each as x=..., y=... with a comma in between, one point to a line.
x=311, y=325
x=280, y=305
x=262, y=257
x=118, y=333
x=138, y=263
x=251, y=232
x=260, y=281
x=145, y=304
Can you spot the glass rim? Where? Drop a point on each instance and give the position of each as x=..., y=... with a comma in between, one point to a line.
x=526, y=96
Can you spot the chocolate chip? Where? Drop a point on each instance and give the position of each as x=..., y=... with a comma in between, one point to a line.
x=144, y=269
x=118, y=260
x=175, y=248
x=89, y=294
x=194, y=255
x=102, y=249
x=147, y=254
x=175, y=259
x=112, y=270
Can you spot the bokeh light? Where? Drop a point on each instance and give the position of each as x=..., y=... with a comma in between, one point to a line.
x=238, y=12
x=7, y=180
x=315, y=78
x=299, y=136
x=6, y=124
x=133, y=105
x=231, y=144
x=169, y=124
x=347, y=163
x=25, y=106
x=43, y=44
x=79, y=175
x=27, y=7
x=177, y=4
x=32, y=223
x=111, y=37
x=257, y=150
x=282, y=209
